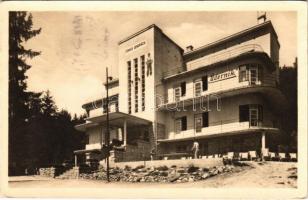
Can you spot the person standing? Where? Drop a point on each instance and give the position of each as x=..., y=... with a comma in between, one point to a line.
x=195, y=149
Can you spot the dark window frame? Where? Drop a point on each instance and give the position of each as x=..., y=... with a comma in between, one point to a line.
x=183, y=88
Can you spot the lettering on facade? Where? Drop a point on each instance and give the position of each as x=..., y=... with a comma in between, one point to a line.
x=222, y=76
x=136, y=46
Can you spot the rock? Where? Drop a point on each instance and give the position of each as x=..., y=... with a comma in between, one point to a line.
x=162, y=168
x=205, y=169
x=181, y=170
x=195, y=173
x=141, y=170
x=163, y=173
x=174, y=178
x=220, y=169
x=205, y=175
x=191, y=179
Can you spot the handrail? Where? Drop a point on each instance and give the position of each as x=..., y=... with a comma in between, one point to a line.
x=213, y=58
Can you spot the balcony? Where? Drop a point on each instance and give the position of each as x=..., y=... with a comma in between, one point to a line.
x=215, y=94
x=219, y=128
x=213, y=58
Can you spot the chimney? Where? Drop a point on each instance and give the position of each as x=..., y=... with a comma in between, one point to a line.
x=189, y=48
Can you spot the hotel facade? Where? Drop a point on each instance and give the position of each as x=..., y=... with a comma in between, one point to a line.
x=224, y=95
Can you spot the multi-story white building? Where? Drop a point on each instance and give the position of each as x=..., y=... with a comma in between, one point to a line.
x=223, y=94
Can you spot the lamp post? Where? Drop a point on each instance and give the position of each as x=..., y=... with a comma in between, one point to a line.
x=107, y=123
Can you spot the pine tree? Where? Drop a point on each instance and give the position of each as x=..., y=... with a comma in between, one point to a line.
x=20, y=31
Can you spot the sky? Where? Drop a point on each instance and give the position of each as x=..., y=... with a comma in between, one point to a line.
x=76, y=47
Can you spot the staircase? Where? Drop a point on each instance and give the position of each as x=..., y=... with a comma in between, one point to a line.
x=71, y=173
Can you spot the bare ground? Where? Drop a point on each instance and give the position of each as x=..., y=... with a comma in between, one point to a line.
x=256, y=175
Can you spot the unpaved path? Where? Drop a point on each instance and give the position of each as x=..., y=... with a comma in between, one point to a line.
x=258, y=175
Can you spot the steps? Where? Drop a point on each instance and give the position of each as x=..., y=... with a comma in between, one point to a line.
x=71, y=173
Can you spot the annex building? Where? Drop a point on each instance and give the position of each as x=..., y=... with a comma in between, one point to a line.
x=224, y=95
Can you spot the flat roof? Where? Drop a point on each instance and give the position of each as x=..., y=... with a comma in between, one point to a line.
x=98, y=102
x=113, y=81
x=266, y=24
x=148, y=28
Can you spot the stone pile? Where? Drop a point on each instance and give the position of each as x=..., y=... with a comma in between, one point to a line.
x=48, y=172
x=158, y=174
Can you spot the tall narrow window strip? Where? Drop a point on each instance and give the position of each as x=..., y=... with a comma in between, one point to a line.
x=129, y=71
x=136, y=83
x=204, y=83
x=143, y=82
x=183, y=89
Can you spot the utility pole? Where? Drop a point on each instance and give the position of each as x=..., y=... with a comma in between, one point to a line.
x=107, y=132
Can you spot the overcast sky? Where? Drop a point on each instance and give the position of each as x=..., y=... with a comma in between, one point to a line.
x=77, y=46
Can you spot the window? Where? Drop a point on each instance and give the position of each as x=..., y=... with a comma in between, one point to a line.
x=181, y=124
x=198, y=88
x=204, y=83
x=184, y=123
x=243, y=73
x=253, y=76
x=198, y=123
x=183, y=89
x=260, y=72
x=143, y=83
x=253, y=112
x=177, y=94
x=129, y=71
x=178, y=125
x=205, y=119
x=181, y=148
x=244, y=113
x=136, y=84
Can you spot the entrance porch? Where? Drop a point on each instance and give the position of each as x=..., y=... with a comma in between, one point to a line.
x=133, y=137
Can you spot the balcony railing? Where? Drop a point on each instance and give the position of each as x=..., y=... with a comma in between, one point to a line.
x=214, y=58
x=212, y=93
x=217, y=127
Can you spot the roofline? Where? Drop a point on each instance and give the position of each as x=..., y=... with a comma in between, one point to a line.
x=245, y=55
x=148, y=28
x=230, y=37
x=84, y=106
x=113, y=81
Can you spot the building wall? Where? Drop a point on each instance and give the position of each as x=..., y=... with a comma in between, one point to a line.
x=220, y=145
x=226, y=84
x=95, y=136
x=223, y=119
x=230, y=49
x=124, y=56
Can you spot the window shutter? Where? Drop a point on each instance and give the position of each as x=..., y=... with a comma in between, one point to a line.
x=244, y=113
x=184, y=123
x=183, y=88
x=205, y=119
x=204, y=83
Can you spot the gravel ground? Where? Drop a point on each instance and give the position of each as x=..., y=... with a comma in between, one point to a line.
x=260, y=175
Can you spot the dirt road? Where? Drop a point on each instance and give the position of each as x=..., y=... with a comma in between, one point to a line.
x=258, y=175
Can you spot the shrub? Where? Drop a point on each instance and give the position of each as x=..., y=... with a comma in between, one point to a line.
x=162, y=168
x=192, y=168
x=139, y=167
x=127, y=168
